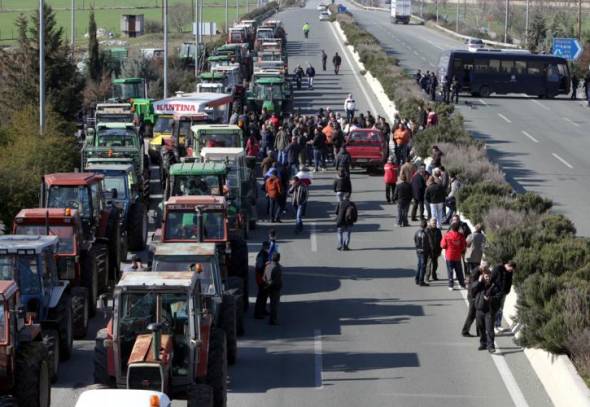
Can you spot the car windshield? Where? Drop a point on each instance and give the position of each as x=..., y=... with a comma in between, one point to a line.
x=184, y=225
x=23, y=269
x=195, y=185
x=74, y=197
x=138, y=310
x=115, y=182
x=114, y=118
x=359, y=137
x=212, y=139
x=116, y=138
x=188, y=263
x=64, y=233
x=163, y=125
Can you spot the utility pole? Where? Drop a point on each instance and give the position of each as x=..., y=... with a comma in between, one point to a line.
x=73, y=26
x=457, y=22
x=526, y=24
x=237, y=10
x=437, y=11
x=506, y=23
x=165, y=49
x=196, y=32
x=41, y=66
x=226, y=16
x=579, y=19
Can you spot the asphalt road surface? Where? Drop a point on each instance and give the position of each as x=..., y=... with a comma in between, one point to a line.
x=542, y=145
x=354, y=329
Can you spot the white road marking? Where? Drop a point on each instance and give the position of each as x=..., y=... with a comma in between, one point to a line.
x=415, y=52
x=154, y=167
x=539, y=104
x=529, y=136
x=317, y=350
x=356, y=76
x=313, y=239
x=563, y=161
x=567, y=119
x=483, y=102
x=155, y=181
x=156, y=196
x=507, y=120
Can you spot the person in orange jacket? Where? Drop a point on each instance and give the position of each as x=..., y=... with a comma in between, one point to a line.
x=390, y=179
x=401, y=138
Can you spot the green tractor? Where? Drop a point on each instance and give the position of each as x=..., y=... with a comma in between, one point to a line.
x=133, y=90
x=272, y=93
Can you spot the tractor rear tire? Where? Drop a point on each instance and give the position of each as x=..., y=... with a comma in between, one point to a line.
x=217, y=367
x=80, y=311
x=90, y=279
x=229, y=325
x=63, y=313
x=114, y=237
x=239, y=266
x=8, y=401
x=237, y=284
x=200, y=395
x=51, y=342
x=137, y=227
x=32, y=387
x=102, y=259
x=101, y=373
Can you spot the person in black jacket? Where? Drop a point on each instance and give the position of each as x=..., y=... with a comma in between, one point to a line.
x=273, y=280
x=262, y=296
x=434, y=236
x=486, y=296
x=342, y=185
x=319, y=146
x=470, y=318
x=418, y=190
x=343, y=160
x=403, y=196
x=423, y=248
x=435, y=196
x=502, y=276
x=346, y=217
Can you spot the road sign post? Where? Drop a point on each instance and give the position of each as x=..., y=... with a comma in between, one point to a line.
x=568, y=48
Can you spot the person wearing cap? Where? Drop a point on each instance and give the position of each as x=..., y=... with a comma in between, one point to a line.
x=135, y=264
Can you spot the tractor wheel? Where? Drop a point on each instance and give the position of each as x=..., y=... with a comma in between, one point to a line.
x=217, y=367
x=8, y=401
x=32, y=387
x=237, y=284
x=101, y=373
x=200, y=395
x=137, y=227
x=80, y=311
x=114, y=236
x=102, y=260
x=63, y=313
x=51, y=342
x=90, y=279
x=229, y=325
x=146, y=178
x=239, y=266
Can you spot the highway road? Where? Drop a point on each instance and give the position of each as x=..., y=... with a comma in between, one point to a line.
x=354, y=328
x=542, y=145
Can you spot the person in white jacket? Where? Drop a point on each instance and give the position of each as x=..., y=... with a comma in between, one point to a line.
x=349, y=107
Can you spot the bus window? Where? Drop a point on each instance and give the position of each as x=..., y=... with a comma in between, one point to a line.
x=520, y=67
x=552, y=73
x=562, y=70
x=494, y=66
x=535, y=68
x=480, y=66
x=507, y=67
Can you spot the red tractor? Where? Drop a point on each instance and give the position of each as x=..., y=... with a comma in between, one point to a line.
x=161, y=337
x=24, y=366
x=77, y=260
x=101, y=224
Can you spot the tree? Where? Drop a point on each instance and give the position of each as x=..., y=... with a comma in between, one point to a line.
x=94, y=60
x=538, y=32
x=180, y=15
x=19, y=70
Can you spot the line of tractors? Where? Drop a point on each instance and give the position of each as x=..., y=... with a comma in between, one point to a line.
x=173, y=326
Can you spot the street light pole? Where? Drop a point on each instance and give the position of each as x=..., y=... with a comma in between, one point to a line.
x=506, y=23
x=165, y=49
x=237, y=10
x=73, y=33
x=196, y=32
x=579, y=19
x=437, y=11
x=457, y=22
x=226, y=16
x=526, y=24
x=41, y=66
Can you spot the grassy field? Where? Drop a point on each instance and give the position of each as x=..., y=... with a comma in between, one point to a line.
x=109, y=19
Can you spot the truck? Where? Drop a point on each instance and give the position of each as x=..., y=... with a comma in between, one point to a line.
x=401, y=11
x=30, y=262
x=25, y=374
x=160, y=337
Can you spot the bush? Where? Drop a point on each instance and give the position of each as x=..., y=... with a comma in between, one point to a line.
x=470, y=164
x=500, y=219
x=153, y=27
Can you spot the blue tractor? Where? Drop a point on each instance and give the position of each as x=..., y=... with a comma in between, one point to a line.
x=30, y=261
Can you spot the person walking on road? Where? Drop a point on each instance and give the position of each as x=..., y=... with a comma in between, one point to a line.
x=575, y=83
x=273, y=280
x=435, y=196
x=390, y=179
x=470, y=318
x=262, y=295
x=486, y=295
x=310, y=72
x=418, y=191
x=343, y=160
x=342, y=186
x=324, y=60
x=422, y=245
x=434, y=236
x=319, y=146
x=346, y=217
x=274, y=246
x=336, y=60
x=502, y=277
x=349, y=107
x=453, y=243
x=306, y=28
x=403, y=196
x=474, y=252
x=274, y=190
x=433, y=86
x=300, y=194
x=455, y=88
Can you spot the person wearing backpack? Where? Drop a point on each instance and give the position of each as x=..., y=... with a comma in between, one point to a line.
x=300, y=193
x=346, y=217
x=274, y=191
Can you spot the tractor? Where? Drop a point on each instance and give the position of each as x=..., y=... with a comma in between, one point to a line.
x=75, y=259
x=101, y=227
x=271, y=93
x=161, y=337
x=215, y=135
x=203, y=259
x=25, y=374
x=30, y=261
x=123, y=191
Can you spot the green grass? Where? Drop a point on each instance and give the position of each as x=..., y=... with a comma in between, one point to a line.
x=108, y=19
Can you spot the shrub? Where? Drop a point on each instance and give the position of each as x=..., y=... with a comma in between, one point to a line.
x=531, y=202
x=499, y=219
x=153, y=27
x=470, y=164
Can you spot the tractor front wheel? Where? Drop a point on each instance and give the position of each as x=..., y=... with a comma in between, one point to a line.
x=229, y=325
x=200, y=395
x=101, y=373
x=80, y=311
x=32, y=387
x=217, y=367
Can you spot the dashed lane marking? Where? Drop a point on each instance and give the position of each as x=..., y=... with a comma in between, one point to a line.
x=529, y=136
x=483, y=102
x=539, y=104
x=567, y=119
x=507, y=120
x=564, y=162
x=313, y=239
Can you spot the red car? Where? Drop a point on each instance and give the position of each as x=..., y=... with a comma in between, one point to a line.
x=368, y=148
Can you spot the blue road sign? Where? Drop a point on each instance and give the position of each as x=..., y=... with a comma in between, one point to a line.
x=568, y=48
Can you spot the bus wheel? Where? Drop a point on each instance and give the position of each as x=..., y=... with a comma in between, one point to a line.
x=484, y=91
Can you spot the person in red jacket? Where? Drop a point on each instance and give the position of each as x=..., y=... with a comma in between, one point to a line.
x=454, y=245
x=390, y=179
